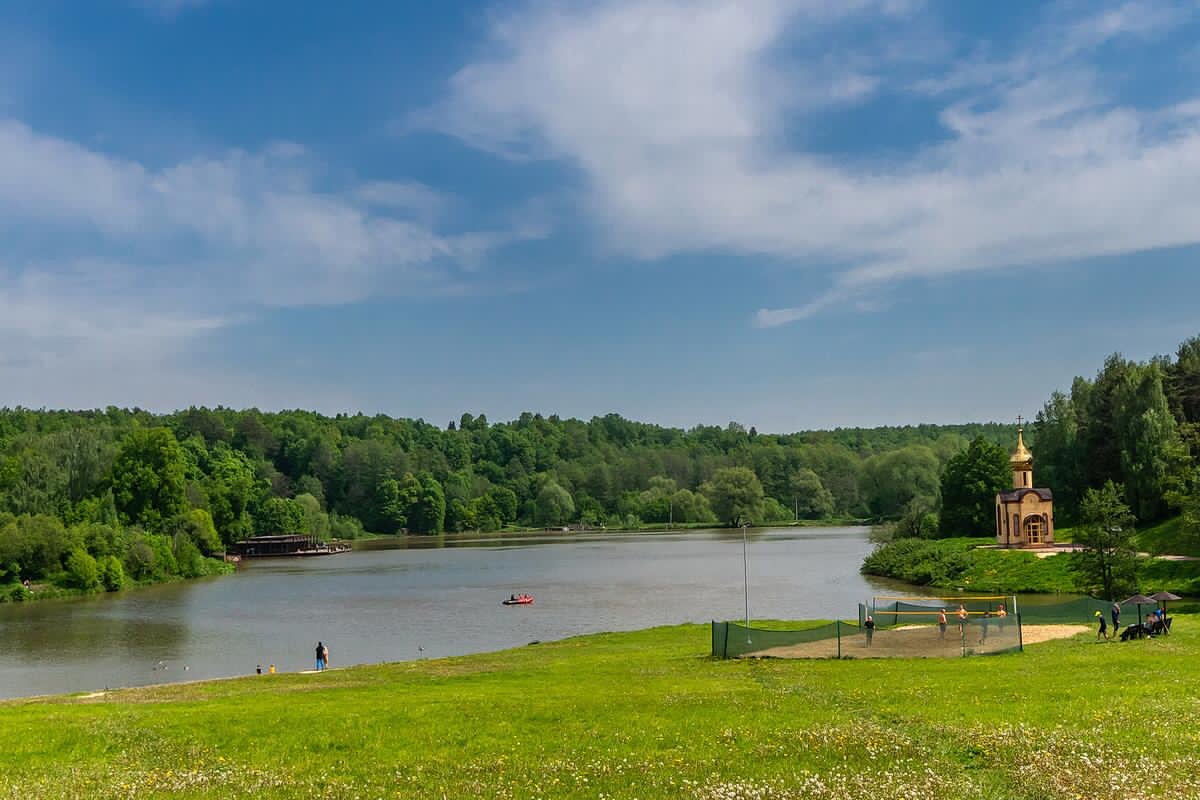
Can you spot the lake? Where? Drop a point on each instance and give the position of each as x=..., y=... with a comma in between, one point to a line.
x=402, y=599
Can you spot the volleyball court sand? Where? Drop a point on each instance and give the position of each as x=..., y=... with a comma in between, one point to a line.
x=920, y=641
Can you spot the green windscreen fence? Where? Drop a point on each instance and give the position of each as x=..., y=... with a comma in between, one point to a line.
x=979, y=636
x=1081, y=611
x=925, y=639
x=731, y=640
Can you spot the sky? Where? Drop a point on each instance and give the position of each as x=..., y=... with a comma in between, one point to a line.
x=789, y=214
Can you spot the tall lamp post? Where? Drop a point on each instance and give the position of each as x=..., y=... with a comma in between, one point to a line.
x=746, y=575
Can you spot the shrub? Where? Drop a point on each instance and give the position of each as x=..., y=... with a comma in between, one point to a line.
x=188, y=559
x=112, y=574
x=140, y=560
x=82, y=571
x=919, y=561
x=345, y=527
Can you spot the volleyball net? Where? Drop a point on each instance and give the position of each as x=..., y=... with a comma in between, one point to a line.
x=891, y=611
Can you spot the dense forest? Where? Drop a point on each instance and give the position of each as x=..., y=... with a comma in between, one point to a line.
x=105, y=498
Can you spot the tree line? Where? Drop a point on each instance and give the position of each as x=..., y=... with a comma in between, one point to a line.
x=136, y=497
x=104, y=498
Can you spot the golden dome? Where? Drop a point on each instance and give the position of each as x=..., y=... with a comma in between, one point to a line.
x=1022, y=456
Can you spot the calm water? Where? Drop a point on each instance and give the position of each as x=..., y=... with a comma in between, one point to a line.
x=385, y=601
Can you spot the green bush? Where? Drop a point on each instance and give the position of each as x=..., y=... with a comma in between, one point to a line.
x=188, y=558
x=140, y=560
x=82, y=571
x=920, y=561
x=345, y=527
x=112, y=574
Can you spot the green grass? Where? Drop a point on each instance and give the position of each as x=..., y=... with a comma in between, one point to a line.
x=644, y=715
x=960, y=564
x=1167, y=537
x=1018, y=572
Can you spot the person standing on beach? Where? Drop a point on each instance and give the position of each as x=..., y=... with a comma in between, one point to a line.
x=320, y=656
x=942, y=624
x=962, y=619
x=869, y=626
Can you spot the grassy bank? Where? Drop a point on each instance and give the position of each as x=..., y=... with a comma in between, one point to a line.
x=959, y=564
x=644, y=715
x=1167, y=537
x=59, y=587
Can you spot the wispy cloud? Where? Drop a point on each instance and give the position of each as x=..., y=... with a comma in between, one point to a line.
x=676, y=115
x=282, y=241
x=109, y=260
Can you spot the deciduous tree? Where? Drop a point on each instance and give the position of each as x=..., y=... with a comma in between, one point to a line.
x=970, y=482
x=1108, y=562
x=735, y=495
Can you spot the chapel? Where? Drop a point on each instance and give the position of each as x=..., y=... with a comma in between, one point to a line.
x=1025, y=515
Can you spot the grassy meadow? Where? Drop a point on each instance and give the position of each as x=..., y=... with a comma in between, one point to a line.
x=639, y=715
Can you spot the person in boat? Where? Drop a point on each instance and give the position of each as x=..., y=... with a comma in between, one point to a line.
x=512, y=597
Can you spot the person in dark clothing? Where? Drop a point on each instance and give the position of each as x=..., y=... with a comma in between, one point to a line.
x=258, y=670
x=1103, y=631
x=869, y=627
x=320, y=656
x=1115, y=612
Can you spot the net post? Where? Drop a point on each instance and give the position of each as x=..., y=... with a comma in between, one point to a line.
x=1020, y=636
x=725, y=642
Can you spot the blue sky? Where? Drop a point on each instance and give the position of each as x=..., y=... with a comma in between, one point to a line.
x=789, y=214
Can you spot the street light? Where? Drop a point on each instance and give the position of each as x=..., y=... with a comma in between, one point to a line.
x=746, y=577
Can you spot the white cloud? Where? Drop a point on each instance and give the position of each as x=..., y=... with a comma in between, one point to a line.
x=113, y=264
x=677, y=116
x=254, y=226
